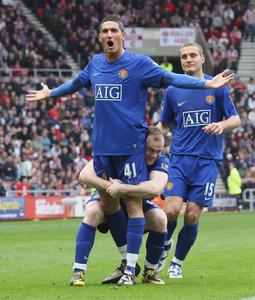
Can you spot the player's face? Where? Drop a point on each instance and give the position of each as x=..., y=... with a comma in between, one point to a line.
x=112, y=39
x=192, y=60
x=153, y=149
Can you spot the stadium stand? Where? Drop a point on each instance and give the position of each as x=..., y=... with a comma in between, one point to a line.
x=23, y=47
x=44, y=145
x=75, y=24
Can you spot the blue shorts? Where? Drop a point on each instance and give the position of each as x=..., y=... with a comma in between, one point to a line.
x=94, y=197
x=148, y=205
x=192, y=178
x=129, y=169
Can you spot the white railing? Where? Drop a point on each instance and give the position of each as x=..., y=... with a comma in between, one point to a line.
x=21, y=193
x=249, y=196
x=23, y=72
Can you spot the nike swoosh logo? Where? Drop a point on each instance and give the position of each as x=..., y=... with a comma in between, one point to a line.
x=95, y=74
x=181, y=103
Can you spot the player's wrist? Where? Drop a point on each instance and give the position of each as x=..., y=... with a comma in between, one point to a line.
x=208, y=84
x=50, y=94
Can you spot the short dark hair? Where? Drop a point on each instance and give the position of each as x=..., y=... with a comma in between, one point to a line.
x=154, y=131
x=114, y=19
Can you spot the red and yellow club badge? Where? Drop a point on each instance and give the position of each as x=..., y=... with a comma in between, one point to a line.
x=210, y=99
x=169, y=186
x=123, y=73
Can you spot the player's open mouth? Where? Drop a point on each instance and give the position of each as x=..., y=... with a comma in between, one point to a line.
x=110, y=43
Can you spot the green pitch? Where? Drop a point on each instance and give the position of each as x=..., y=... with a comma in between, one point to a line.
x=36, y=263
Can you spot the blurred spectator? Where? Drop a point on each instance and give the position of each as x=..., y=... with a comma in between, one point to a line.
x=26, y=166
x=9, y=170
x=2, y=189
x=166, y=65
x=251, y=86
x=23, y=187
x=234, y=183
x=249, y=19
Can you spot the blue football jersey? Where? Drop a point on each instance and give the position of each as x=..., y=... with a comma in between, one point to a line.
x=120, y=92
x=161, y=165
x=190, y=110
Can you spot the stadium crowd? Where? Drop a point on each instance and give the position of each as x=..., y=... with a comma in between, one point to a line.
x=44, y=145
x=75, y=23
x=49, y=142
x=24, y=48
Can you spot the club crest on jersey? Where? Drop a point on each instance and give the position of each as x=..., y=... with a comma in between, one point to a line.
x=108, y=92
x=196, y=118
x=164, y=166
x=210, y=99
x=169, y=186
x=123, y=73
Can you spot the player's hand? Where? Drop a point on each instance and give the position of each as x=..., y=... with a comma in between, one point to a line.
x=214, y=128
x=219, y=80
x=115, y=189
x=44, y=93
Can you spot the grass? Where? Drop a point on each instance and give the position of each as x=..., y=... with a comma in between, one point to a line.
x=36, y=262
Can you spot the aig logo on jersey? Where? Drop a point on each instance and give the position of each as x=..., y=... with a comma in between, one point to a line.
x=196, y=118
x=108, y=92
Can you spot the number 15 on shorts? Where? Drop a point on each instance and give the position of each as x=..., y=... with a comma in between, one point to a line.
x=209, y=190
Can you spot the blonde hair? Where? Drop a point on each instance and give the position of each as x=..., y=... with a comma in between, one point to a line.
x=201, y=52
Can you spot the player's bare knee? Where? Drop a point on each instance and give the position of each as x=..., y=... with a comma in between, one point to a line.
x=172, y=207
x=172, y=214
x=155, y=220
x=161, y=224
x=93, y=214
x=191, y=217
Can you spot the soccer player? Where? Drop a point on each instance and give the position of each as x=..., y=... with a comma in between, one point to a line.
x=155, y=218
x=120, y=82
x=198, y=120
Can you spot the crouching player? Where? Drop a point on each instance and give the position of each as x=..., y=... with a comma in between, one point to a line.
x=154, y=217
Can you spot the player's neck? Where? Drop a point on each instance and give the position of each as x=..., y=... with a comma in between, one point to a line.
x=110, y=57
x=198, y=74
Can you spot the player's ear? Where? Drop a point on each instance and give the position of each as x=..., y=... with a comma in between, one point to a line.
x=203, y=59
x=124, y=35
x=99, y=37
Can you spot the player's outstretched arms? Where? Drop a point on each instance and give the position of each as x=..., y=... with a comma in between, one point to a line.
x=64, y=89
x=219, y=80
x=43, y=94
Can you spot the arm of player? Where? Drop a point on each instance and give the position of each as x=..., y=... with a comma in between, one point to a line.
x=146, y=189
x=163, y=127
x=186, y=81
x=219, y=80
x=66, y=88
x=89, y=178
x=217, y=128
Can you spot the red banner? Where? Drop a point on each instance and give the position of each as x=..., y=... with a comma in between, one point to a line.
x=45, y=207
